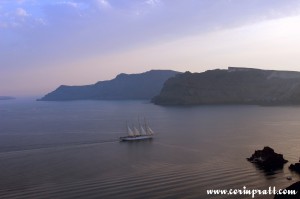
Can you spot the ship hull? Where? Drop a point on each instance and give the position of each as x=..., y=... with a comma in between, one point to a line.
x=135, y=138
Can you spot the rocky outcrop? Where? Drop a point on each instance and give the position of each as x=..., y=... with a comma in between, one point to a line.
x=124, y=86
x=295, y=167
x=232, y=86
x=267, y=159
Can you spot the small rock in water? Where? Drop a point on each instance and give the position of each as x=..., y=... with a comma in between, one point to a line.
x=295, y=167
x=267, y=159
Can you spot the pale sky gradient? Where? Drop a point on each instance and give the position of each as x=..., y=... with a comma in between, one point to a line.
x=46, y=43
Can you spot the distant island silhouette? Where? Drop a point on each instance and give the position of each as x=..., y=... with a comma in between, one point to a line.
x=6, y=98
x=232, y=86
x=166, y=87
x=123, y=87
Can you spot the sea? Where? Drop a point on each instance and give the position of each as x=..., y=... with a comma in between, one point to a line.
x=72, y=149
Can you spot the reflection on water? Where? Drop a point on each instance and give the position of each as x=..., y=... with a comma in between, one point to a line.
x=71, y=149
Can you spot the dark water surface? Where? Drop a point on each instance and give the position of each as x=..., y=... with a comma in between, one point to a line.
x=71, y=149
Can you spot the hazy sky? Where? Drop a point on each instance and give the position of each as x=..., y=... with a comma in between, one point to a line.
x=46, y=43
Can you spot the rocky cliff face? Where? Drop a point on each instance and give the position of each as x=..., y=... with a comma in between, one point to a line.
x=294, y=188
x=232, y=86
x=124, y=86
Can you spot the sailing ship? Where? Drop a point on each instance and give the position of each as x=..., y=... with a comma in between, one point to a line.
x=141, y=133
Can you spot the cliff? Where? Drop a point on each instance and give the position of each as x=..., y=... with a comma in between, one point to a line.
x=124, y=86
x=294, y=188
x=232, y=86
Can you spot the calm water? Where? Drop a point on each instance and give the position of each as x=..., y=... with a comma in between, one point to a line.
x=71, y=149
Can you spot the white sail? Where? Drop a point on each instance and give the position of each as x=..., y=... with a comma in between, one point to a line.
x=143, y=132
x=130, y=132
x=136, y=131
x=149, y=131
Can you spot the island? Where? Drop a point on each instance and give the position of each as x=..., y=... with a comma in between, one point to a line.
x=123, y=87
x=6, y=98
x=232, y=86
